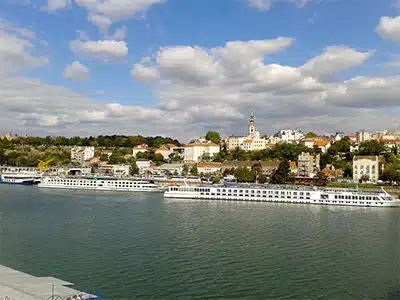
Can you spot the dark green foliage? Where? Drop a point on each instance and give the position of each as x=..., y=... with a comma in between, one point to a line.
x=244, y=175
x=213, y=136
x=281, y=175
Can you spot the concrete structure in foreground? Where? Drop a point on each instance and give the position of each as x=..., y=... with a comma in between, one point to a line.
x=16, y=285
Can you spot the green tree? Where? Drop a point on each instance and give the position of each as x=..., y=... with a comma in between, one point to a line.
x=133, y=169
x=372, y=147
x=244, y=175
x=185, y=170
x=364, y=178
x=281, y=174
x=213, y=136
x=158, y=159
x=391, y=173
x=104, y=157
x=3, y=157
x=194, y=171
x=257, y=171
x=320, y=179
x=326, y=159
x=311, y=135
x=216, y=180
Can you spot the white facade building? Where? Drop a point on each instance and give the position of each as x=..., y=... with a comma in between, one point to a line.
x=80, y=154
x=164, y=151
x=363, y=136
x=196, y=151
x=139, y=148
x=290, y=136
x=366, y=166
x=143, y=164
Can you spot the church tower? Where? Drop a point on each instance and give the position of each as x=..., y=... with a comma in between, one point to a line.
x=252, y=128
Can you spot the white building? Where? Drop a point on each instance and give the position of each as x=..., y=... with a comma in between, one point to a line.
x=143, y=164
x=363, y=136
x=81, y=154
x=164, y=151
x=116, y=170
x=139, y=148
x=290, y=136
x=308, y=165
x=365, y=166
x=209, y=167
x=196, y=151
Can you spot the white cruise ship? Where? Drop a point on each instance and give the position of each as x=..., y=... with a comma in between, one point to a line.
x=286, y=194
x=100, y=183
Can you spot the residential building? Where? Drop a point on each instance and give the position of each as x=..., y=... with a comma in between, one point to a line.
x=139, y=148
x=209, y=167
x=107, y=152
x=164, y=151
x=354, y=147
x=173, y=168
x=308, y=165
x=320, y=143
x=143, y=164
x=267, y=167
x=339, y=136
x=293, y=168
x=290, y=136
x=332, y=174
x=81, y=154
x=391, y=143
x=367, y=166
x=115, y=170
x=195, y=152
x=363, y=135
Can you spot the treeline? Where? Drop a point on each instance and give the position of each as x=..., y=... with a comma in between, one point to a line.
x=110, y=141
x=278, y=152
x=25, y=158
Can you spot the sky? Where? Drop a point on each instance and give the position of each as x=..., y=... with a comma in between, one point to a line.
x=180, y=68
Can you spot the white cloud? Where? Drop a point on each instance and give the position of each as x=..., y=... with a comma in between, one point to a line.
x=389, y=28
x=200, y=89
x=28, y=106
x=120, y=33
x=334, y=59
x=54, y=5
x=144, y=74
x=102, y=22
x=266, y=5
x=106, y=50
x=17, y=48
x=76, y=72
x=116, y=10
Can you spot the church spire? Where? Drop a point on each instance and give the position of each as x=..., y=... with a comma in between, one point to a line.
x=252, y=128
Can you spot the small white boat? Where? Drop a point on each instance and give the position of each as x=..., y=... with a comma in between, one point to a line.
x=23, y=179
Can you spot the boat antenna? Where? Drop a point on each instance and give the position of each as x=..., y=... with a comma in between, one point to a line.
x=386, y=193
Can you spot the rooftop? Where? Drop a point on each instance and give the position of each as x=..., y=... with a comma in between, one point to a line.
x=22, y=286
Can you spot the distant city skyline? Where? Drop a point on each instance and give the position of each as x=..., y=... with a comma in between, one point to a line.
x=164, y=67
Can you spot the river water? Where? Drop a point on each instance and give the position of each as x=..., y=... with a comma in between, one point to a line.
x=141, y=246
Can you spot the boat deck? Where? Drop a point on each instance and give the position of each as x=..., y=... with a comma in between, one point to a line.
x=16, y=285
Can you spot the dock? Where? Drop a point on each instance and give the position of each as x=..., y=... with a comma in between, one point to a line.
x=16, y=285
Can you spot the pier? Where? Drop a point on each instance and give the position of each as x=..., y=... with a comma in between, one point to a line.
x=16, y=285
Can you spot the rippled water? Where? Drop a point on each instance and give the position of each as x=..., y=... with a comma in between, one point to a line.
x=140, y=246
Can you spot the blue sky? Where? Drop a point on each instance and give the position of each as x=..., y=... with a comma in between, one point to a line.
x=159, y=24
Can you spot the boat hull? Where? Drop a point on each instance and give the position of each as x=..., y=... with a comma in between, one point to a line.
x=22, y=182
x=197, y=196
x=154, y=190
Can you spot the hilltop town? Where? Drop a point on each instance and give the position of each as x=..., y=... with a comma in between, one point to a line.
x=286, y=156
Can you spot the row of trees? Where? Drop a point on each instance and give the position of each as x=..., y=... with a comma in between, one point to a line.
x=32, y=159
x=110, y=141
